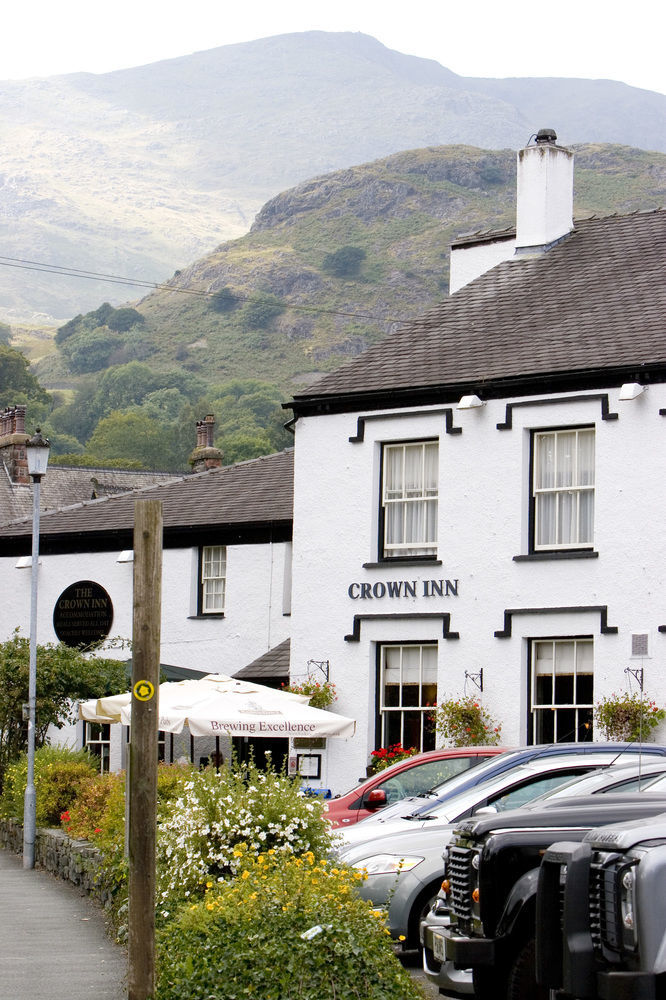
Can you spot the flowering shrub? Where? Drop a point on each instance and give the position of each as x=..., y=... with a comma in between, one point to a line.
x=627, y=717
x=220, y=818
x=386, y=756
x=321, y=693
x=286, y=928
x=59, y=773
x=463, y=722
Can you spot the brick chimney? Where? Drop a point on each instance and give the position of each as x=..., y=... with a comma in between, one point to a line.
x=205, y=455
x=12, y=444
x=544, y=212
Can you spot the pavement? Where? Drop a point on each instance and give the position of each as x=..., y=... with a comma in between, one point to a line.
x=54, y=944
x=53, y=940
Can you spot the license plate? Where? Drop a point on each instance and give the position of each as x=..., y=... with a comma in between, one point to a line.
x=439, y=946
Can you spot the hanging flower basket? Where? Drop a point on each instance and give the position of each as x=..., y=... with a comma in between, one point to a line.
x=629, y=717
x=321, y=693
x=464, y=722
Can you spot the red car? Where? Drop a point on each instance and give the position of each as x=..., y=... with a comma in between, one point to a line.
x=411, y=776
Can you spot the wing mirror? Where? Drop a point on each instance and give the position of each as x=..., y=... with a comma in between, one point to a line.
x=376, y=799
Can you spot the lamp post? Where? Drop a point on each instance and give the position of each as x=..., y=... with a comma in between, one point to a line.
x=37, y=451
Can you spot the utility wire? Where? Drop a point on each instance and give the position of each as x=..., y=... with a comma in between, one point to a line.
x=116, y=279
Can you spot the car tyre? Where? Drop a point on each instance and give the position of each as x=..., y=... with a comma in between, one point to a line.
x=521, y=982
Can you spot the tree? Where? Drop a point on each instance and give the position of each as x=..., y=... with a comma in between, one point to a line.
x=5, y=333
x=124, y=319
x=133, y=437
x=223, y=301
x=90, y=350
x=345, y=262
x=16, y=379
x=63, y=675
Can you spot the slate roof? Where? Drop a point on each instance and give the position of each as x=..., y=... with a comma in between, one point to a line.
x=64, y=485
x=594, y=303
x=257, y=492
x=271, y=666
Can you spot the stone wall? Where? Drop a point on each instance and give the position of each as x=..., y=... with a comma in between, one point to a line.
x=76, y=861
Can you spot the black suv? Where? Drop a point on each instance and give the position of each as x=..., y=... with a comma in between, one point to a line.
x=485, y=917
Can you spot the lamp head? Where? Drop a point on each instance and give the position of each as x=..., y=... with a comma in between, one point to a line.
x=630, y=390
x=37, y=452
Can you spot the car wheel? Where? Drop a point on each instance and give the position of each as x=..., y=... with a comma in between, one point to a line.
x=489, y=984
x=419, y=911
x=522, y=984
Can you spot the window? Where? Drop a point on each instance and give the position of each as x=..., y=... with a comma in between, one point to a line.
x=407, y=694
x=563, y=488
x=213, y=579
x=423, y=777
x=409, y=499
x=97, y=739
x=562, y=690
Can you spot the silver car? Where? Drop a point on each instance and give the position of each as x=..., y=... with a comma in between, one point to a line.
x=403, y=856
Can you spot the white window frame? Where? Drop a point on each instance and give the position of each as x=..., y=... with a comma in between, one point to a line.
x=392, y=717
x=97, y=740
x=579, y=652
x=569, y=490
x=402, y=502
x=213, y=579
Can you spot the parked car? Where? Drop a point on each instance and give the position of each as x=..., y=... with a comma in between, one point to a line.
x=409, y=777
x=489, y=891
x=426, y=806
x=601, y=914
x=502, y=857
x=403, y=860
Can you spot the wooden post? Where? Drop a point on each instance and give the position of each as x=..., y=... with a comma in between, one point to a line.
x=143, y=747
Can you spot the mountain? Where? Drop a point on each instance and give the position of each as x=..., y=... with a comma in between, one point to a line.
x=333, y=264
x=138, y=172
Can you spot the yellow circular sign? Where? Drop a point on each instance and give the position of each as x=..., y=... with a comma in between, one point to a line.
x=143, y=690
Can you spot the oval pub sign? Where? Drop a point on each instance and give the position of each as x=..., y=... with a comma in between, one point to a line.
x=83, y=614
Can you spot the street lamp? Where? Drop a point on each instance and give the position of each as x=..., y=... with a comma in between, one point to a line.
x=37, y=451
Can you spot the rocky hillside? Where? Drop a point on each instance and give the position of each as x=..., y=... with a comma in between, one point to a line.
x=138, y=172
x=333, y=264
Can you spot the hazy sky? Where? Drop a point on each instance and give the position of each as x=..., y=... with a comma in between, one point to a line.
x=585, y=38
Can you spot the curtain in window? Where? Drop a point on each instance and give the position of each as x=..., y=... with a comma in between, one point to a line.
x=410, y=498
x=564, y=488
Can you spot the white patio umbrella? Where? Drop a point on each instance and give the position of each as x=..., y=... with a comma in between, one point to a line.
x=218, y=705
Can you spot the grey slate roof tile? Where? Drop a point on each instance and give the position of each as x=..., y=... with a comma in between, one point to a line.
x=259, y=491
x=595, y=300
x=273, y=665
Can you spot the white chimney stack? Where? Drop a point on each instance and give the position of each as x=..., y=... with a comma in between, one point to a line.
x=545, y=193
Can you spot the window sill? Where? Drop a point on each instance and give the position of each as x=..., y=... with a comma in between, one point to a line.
x=549, y=556
x=407, y=561
x=211, y=614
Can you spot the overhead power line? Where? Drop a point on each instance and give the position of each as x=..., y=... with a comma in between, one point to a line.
x=117, y=279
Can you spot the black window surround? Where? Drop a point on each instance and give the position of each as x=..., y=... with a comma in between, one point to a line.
x=600, y=609
x=445, y=616
x=446, y=411
x=602, y=397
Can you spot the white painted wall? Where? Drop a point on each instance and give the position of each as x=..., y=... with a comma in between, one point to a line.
x=469, y=262
x=483, y=524
x=253, y=622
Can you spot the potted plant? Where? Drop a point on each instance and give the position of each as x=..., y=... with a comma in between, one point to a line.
x=630, y=717
x=464, y=722
x=321, y=693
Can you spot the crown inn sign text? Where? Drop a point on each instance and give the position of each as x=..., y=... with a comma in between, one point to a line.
x=403, y=588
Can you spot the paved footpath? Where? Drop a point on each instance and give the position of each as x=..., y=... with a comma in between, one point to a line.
x=53, y=943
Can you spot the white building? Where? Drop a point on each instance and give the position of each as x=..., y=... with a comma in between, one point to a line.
x=478, y=499
x=226, y=586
